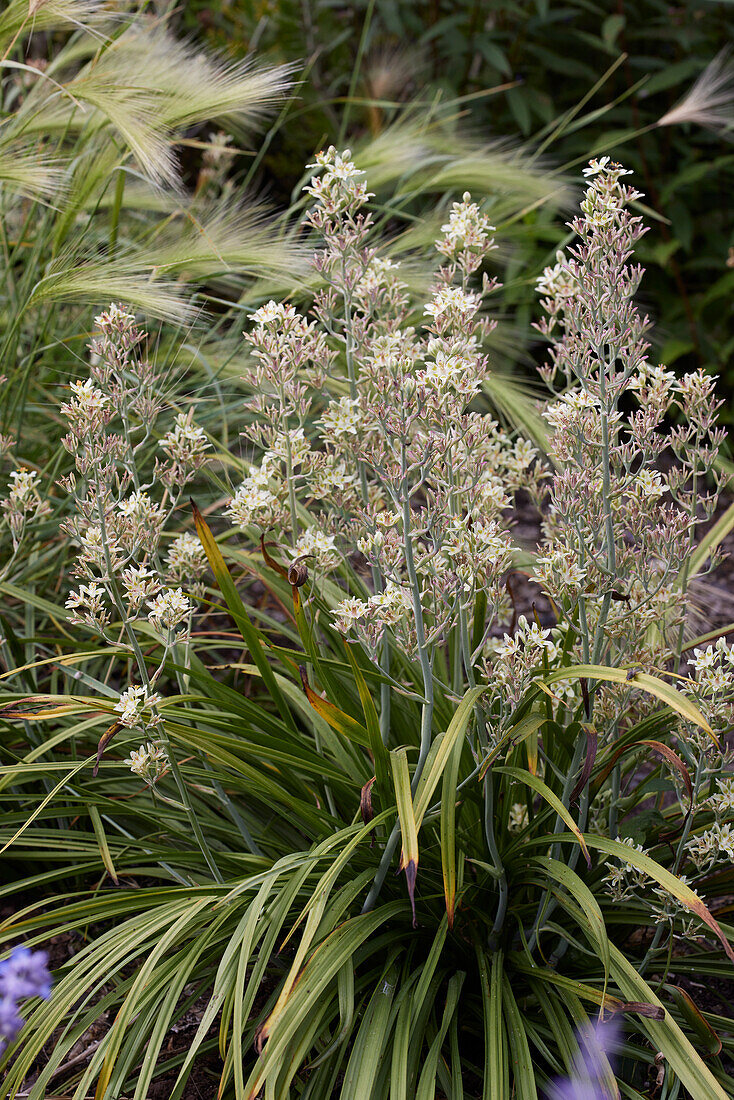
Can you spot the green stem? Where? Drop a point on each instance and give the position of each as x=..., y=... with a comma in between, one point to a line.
x=489, y=833
x=423, y=654
x=607, y=504
x=143, y=671
x=382, y=869
x=616, y=787
x=687, y=565
x=677, y=861
x=378, y=582
x=547, y=904
x=292, y=507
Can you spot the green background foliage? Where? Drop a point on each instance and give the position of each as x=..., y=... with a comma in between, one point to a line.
x=361, y=59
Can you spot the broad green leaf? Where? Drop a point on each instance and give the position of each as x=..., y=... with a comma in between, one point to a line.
x=67, y=659
x=428, y=971
x=583, y=990
x=499, y=1070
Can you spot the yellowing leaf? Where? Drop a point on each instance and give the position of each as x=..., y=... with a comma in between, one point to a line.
x=651, y=684
x=408, y=824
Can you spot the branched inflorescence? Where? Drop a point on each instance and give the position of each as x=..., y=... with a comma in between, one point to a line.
x=120, y=519
x=366, y=426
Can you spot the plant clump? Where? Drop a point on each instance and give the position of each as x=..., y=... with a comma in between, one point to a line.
x=555, y=787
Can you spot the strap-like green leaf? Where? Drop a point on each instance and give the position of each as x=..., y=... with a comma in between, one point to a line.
x=651, y=684
x=436, y=764
x=364, y=1060
x=448, y=829
x=251, y=636
x=591, y=916
x=670, y=882
x=522, y=1062
x=541, y=788
x=380, y=754
x=408, y=823
x=665, y=1035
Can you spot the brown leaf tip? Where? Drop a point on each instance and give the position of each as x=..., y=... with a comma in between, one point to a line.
x=298, y=573
x=365, y=801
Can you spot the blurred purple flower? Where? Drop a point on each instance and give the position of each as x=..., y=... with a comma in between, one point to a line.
x=24, y=974
x=598, y=1044
x=10, y=1021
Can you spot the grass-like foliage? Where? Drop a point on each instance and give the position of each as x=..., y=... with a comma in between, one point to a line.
x=93, y=205
x=355, y=695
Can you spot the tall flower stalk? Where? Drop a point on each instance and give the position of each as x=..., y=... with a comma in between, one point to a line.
x=118, y=525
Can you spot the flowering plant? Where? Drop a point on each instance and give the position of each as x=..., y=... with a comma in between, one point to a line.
x=556, y=782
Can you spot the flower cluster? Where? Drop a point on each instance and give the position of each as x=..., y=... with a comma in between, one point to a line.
x=120, y=519
x=375, y=455
x=339, y=186
x=23, y=503
x=623, y=879
x=186, y=562
x=466, y=240
x=620, y=525
x=149, y=762
x=185, y=447
x=512, y=661
x=132, y=704
x=169, y=609
x=619, y=529
x=714, y=844
x=394, y=460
